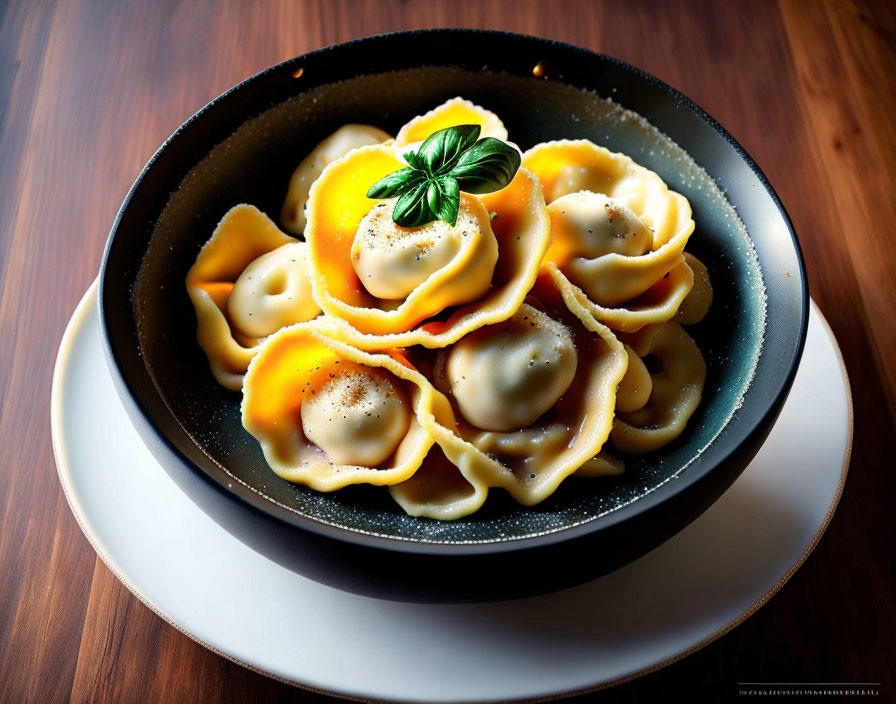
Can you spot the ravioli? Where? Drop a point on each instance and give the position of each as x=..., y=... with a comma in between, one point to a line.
x=696, y=304
x=537, y=447
x=391, y=261
x=504, y=376
x=272, y=292
x=328, y=415
x=502, y=242
x=334, y=147
x=451, y=113
x=666, y=397
x=625, y=289
x=248, y=281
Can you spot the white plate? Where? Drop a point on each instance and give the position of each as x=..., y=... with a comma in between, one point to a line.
x=671, y=602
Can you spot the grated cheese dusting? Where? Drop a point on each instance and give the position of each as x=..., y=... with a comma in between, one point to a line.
x=391, y=261
x=377, y=230
x=348, y=388
x=355, y=414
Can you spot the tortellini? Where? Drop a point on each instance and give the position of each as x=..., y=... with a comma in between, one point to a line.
x=632, y=286
x=456, y=111
x=334, y=147
x=328, y=415
x=659, y=403
x=530, y=452
x=272, y=292
x=504, y=376
x=696, y=304
x=510, y=225
x=392, y=261
x=591, y=225
x=537, y=337
x=357, y=415
x=249, y=280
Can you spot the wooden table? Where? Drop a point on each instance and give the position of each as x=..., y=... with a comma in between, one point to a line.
x=89, y=89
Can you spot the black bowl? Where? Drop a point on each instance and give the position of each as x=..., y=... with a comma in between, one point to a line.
x=243, y=146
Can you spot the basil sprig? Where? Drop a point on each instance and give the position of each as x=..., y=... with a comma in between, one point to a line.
x=449, y=161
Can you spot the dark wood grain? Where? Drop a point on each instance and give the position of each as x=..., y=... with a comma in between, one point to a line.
x=89, y=89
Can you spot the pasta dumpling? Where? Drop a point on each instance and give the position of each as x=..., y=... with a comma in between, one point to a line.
x=328, y=415
x=249, y=280
x=696, y=304
x=451, y=113
x=527, y=452
x=626, y=287
x=272, y=292
x=392, y=261
x=363, y=262
x=334, y=147
x=355, y=414
x=637, y=384
x=666, y=397
x=505, y=376
x=591, y=225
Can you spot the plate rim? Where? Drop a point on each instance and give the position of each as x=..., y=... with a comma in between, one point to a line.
x=90, y=302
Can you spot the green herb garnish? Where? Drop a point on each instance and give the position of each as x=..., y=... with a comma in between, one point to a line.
x=448, y=162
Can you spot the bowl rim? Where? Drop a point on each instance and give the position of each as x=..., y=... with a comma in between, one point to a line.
x=254, y=501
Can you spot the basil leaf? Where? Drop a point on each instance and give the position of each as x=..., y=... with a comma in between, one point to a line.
x=447, y=162
x=395, y=183
x=412, y=208
x=415, y=162
x=489, y=165
x=443, y=198
x=441, y=150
